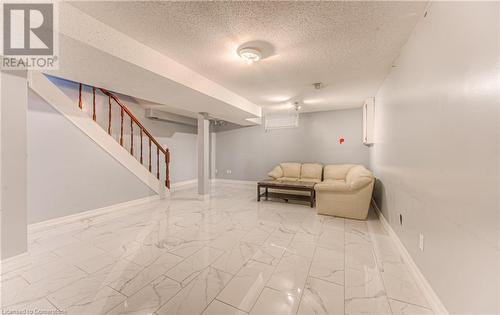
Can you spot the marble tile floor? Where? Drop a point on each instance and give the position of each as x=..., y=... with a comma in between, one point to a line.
x=226, y=255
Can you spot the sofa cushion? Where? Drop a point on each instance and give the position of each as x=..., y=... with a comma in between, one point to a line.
x=277, y=172
x=336, y=171
x=291, y=169
x=311, y=171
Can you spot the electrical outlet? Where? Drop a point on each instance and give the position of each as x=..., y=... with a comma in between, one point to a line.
x=228, y=171
x=216, y=171
x=421, y=242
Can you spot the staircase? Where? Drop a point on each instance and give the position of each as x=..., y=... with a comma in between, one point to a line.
x=113, y=127
x=143, y=133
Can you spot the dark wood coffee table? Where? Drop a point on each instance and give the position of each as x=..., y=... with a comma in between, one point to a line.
x=287, y=185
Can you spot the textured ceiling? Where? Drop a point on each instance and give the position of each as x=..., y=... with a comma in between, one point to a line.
x=348, y=46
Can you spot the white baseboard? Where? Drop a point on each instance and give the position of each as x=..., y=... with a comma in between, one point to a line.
x=203, y=197
x=234, y=181
x=434, y=301
x=36, y=227
x=12, y=260
x=183, y=184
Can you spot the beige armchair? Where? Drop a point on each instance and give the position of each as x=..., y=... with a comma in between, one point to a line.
x=346, y=191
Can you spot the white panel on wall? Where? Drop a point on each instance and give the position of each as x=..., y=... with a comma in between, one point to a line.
x=368, y=120
x=282, y=121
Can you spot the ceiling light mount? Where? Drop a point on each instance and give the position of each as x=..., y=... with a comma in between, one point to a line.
x=249, y=54
x=318, y=85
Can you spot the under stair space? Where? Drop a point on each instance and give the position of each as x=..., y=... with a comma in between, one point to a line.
x=102, y=116
x=106, y=109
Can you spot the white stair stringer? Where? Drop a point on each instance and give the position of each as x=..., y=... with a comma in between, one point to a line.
x=41, y=85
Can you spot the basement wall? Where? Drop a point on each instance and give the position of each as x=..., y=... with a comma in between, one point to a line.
x=250, y=153
x=436, y=152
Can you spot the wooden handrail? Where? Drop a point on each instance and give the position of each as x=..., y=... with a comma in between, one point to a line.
x=142, y=131
x=146, y=132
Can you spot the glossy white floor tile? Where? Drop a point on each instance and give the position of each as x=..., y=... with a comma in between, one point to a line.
x=219, y=308
x=244, y=289
x=322, y=297
x=150, y=298
x=226, y=255
x=275, y=302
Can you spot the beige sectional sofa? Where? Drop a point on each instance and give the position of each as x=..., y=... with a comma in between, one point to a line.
x=341, y=190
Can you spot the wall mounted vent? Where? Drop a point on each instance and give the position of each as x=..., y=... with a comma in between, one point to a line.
x=281, y=121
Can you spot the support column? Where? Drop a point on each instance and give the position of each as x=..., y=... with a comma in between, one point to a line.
x=13, y=163
x=203, y=154
x=212, y=154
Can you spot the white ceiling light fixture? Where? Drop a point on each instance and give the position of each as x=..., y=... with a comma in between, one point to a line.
x=250, y=55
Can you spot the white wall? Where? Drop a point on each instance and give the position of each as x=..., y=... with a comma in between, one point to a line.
x=180, y=139
x=67, y=171
x=251, y=152
x=13, y=166
x=436, y=152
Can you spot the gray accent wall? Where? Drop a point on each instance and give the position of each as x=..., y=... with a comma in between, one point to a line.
x=67, y=171
x=251, y=152
x=436, y=152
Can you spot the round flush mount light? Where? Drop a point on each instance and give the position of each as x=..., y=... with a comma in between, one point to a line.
x=250, y=55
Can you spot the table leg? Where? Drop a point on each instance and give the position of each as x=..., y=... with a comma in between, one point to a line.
x=258, y=192
x=266, y=194
x=312, y=199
